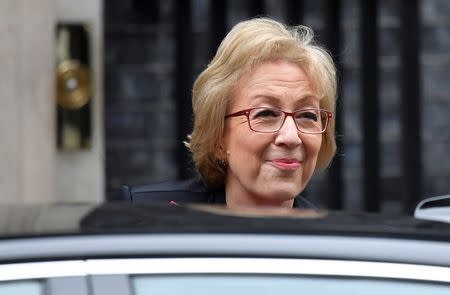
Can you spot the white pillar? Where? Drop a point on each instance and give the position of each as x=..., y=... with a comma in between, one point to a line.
x=27, y=107
x=80, y=174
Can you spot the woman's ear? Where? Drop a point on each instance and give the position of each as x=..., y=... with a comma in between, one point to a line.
x=221, y=157
x=221, y=146
x=220, y=152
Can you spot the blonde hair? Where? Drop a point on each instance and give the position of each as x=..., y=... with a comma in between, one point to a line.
x=250, y=43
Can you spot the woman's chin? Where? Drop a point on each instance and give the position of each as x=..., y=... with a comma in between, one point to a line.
x=283, y=186
x=282, y=191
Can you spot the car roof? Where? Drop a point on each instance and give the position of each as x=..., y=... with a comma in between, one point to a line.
x=109, y=218
x=124, y=230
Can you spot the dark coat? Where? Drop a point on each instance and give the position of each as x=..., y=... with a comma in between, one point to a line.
x=187, y=191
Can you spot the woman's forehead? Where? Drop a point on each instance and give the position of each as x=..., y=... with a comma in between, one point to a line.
x=273, y=82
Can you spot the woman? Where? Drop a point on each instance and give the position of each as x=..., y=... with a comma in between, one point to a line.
x=263, y=114
x=263, y=120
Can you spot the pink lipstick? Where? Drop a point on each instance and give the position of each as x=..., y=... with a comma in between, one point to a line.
x=287, y=164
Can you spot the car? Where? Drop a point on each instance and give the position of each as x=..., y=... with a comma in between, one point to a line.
x=154, y=248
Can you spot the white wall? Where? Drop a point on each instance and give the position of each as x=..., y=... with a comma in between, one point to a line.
x=27, y=112
x=31, y=169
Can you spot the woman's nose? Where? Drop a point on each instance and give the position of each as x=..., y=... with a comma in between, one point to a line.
x=288, y=134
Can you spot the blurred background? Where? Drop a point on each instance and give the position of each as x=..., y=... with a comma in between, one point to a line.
x=96, y=94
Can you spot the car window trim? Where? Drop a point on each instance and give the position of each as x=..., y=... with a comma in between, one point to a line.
x=228, y=265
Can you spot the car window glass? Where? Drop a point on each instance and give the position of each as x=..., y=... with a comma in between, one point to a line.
x=21, y=288
x=262, y=285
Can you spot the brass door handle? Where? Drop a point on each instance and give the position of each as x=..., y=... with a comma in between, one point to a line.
x=73, y=87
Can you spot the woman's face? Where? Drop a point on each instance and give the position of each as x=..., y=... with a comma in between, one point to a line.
x=269, y=168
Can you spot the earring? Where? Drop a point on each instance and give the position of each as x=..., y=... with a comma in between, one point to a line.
x=222, y=163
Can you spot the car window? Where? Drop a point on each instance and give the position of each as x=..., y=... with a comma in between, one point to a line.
x=22, y=288
x=269, y=284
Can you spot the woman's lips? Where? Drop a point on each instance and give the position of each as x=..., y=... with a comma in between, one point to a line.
x=287, y=164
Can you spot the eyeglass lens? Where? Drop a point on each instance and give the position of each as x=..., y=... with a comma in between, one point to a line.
x=271, y=120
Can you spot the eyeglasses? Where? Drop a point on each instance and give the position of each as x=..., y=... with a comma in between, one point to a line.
x=267, y=120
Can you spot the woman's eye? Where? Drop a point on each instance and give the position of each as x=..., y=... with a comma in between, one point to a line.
x=308, y=116
x=265, y=113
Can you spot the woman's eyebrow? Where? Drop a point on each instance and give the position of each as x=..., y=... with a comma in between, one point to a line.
x=265, y=97
x=308, y=99
x=304, y=100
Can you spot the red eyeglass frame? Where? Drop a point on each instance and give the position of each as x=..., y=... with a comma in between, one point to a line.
x=246, y=113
